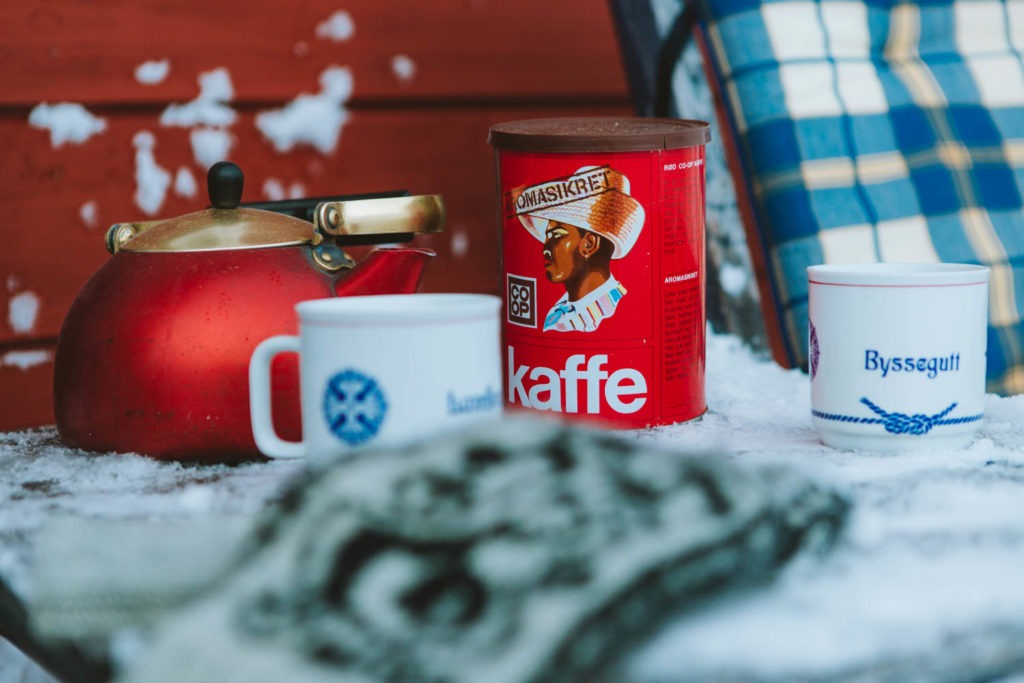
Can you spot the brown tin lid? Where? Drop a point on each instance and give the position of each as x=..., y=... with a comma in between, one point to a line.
x=598, y=134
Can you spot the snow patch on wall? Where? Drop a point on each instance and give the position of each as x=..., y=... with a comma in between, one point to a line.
x=338, y=27
x=403, y=68
x=314, y=120
x=151, y=181
x=210, y=145
x=185, y=183
x=209, y=108
x=153, y=71
x=23, y=311
x=26, y=360
x=67, y=122
x=89, y=213
x=274, y=190
x=460, y=244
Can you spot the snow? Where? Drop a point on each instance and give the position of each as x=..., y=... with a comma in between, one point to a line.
x=337, y=28
x=22, y=312
x=733, y=278
x=404, y=68
x=153, y=72
x=208, y=109
x=185, y=183
x=88, y=213
x=67, y=122
x=210, y=145
x=460, y=244
x=314, y=120
x=931, y=553
x=151, y=179
x=27, y=359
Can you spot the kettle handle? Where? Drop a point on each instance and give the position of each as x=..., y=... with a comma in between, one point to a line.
x=267, y=440
x=305, y=208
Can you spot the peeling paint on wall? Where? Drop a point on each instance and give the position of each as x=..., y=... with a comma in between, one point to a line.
x=67, y=122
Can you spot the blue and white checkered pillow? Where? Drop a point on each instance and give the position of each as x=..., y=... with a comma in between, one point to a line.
x=877, y=131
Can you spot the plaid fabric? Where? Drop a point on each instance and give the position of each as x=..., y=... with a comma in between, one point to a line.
x=877, y=131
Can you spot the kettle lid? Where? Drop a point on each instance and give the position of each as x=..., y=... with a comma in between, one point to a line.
x=223, y=226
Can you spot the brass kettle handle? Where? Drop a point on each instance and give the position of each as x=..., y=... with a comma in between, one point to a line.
x=393, y=217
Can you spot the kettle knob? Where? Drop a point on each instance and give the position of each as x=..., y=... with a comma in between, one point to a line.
x=224, y=184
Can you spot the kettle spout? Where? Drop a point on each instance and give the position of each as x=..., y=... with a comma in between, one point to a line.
x=385, y=271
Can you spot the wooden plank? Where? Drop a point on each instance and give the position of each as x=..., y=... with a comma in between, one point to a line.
x=49, y=249
x=67, y=50
x=26, y=386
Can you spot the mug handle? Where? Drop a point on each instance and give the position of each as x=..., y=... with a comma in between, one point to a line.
x=267, y=440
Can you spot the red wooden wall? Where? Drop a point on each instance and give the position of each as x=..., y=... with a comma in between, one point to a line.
x=427, y=80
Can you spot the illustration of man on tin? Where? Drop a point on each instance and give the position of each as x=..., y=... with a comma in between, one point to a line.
x=584, y=221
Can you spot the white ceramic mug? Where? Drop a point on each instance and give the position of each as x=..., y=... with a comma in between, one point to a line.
x=383, y=371
x=897, y=354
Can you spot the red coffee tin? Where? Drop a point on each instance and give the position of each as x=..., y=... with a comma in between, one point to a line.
x=603, y=260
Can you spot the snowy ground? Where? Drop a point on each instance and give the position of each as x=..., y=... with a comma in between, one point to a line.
x=926, y=582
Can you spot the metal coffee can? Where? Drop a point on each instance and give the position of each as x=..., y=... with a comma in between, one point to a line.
x=603, y=263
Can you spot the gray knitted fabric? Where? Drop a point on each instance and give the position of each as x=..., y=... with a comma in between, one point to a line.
x=523, y=551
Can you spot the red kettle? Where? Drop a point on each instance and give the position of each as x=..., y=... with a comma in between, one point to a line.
x=154, y=352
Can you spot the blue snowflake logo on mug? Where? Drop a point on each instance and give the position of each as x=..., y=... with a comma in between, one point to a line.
x=354, y=407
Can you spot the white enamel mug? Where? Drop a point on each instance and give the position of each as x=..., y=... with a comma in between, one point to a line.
x=383, y=371
x=897, y=354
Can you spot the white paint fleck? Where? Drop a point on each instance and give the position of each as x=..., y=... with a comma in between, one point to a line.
x=733, y=279
x=403, y=68
x=67, y=122
x=339, y=27
x=23, y=311
x=296, y=191
x=185, y=183
x=209, y=108
x=153, y=71
x=460, y=244
x=26, y=360
x=13, y=283
x=273, y=189
x=314, y=120
x=210, y=145
x=301, y=48
x=151, y=180
x=89, y=213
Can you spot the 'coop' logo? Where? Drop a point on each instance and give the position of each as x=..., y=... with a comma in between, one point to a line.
x=522, y=294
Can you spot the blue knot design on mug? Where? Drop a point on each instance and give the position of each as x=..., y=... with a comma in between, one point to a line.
x=354, y=406
x=917, y=424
